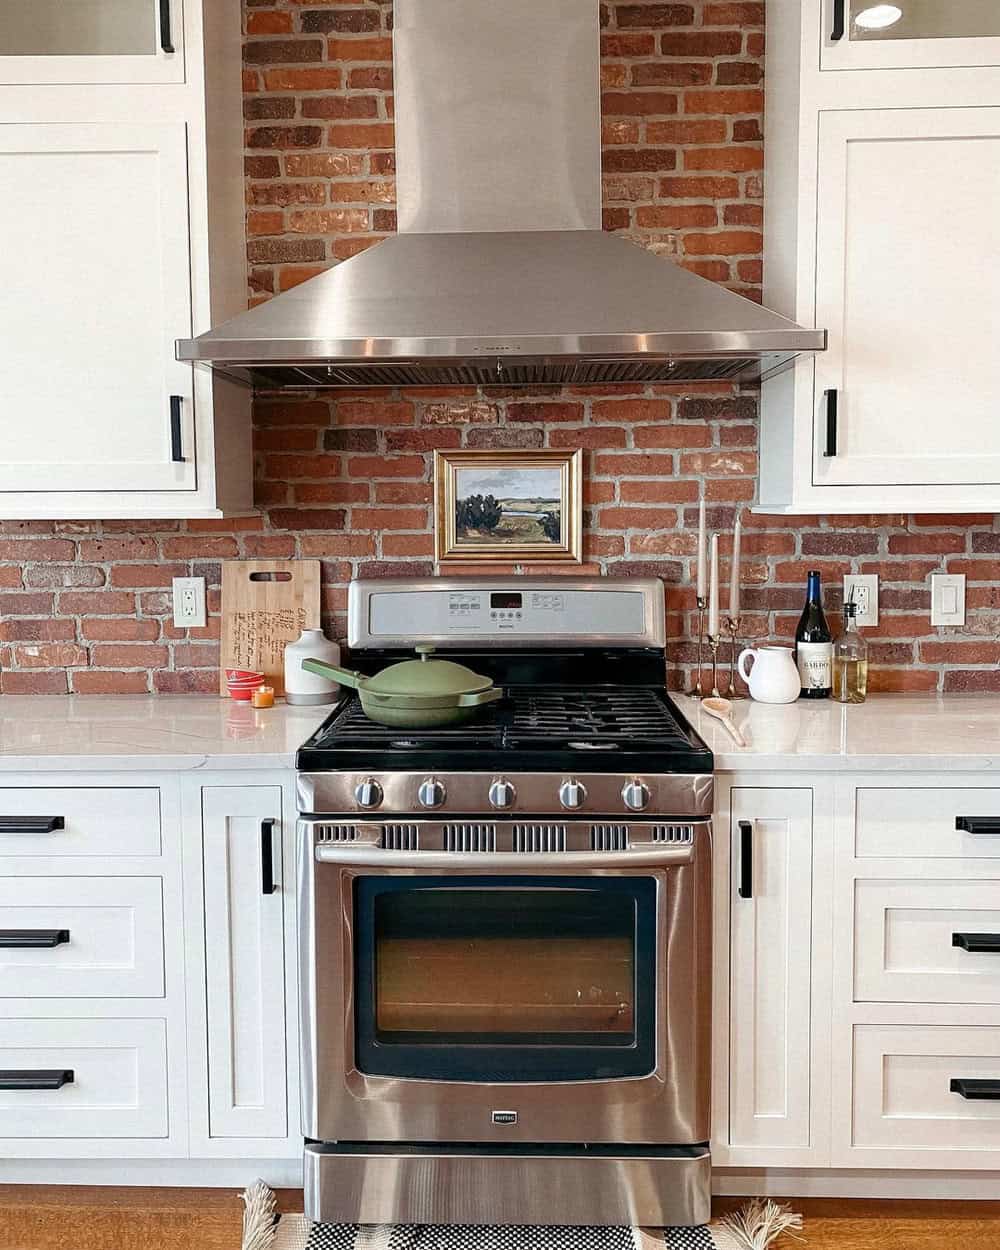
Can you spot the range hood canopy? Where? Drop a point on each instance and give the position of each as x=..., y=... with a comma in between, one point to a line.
x=500, y=273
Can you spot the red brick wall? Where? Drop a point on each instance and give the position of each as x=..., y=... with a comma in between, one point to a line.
x=85, y=606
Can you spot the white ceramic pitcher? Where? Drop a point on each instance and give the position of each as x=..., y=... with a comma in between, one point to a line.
x=774, y=677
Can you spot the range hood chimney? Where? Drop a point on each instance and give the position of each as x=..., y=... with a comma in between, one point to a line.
x=500, y=272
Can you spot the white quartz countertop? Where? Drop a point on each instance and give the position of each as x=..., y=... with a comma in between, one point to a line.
x=49, y=733
x=898, y=732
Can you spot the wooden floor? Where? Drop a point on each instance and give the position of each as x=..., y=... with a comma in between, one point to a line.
x=77, y=1218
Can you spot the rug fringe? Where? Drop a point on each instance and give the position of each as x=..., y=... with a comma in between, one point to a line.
x=757, y=1224
x=258, y=1216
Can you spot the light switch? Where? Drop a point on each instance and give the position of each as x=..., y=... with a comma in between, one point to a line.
x=948, y=599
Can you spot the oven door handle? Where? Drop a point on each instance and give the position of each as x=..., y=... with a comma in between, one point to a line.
x=359, y=854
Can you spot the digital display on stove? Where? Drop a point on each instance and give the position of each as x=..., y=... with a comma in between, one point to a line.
x=505, y=599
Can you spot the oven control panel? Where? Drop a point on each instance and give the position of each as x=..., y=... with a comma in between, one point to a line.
x=483, y=795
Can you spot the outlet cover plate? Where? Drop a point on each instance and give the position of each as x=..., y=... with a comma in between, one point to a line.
x=947, y=598
x=189, y=602
x=865, y=588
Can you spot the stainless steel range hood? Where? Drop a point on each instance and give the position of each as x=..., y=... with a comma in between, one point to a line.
x=500, y=272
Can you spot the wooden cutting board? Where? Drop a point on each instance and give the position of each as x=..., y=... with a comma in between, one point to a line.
x=266, y=604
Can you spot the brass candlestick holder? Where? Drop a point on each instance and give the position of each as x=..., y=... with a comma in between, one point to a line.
x=697, y=692
x=714, y=641
x=733, y=627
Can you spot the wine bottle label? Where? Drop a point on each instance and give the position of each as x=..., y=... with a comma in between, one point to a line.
x=815, y=661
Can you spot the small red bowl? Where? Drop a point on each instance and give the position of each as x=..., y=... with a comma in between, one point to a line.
x=241, y=683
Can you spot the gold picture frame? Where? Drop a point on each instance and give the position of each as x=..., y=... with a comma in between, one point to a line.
x=543, y=520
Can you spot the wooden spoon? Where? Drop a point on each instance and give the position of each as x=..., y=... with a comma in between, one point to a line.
x=722, y=710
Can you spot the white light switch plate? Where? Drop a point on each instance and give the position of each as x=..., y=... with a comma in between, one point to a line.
x=865, y=589
x=947, y=598
x=189, y=602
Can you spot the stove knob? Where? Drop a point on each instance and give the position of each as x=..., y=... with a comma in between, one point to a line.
x=431, y=793
x=572, y=793
x=368, y=793
x=502, y=793
x=635, y=794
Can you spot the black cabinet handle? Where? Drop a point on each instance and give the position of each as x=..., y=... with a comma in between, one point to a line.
x=977, y=1090
x=267, y=856
x=745, y=886
x=27, y=1078
x=31, y=824
x=176, y=445
x=977, y=943
x=978, y=824
x=32, y=939
x=839, y=20
x=830, y=447
x=166, y=40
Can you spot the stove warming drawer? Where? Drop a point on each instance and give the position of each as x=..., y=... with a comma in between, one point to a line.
x=397, y=1184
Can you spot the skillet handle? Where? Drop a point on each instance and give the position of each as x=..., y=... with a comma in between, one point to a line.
x=345, y=676
x=479, y=697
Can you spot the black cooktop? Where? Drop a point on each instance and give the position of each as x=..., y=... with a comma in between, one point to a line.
x=534, y=728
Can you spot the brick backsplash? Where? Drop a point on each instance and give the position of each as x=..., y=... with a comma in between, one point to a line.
x=85, y=606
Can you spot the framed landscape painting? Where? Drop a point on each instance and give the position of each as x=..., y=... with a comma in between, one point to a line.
x=508, y=505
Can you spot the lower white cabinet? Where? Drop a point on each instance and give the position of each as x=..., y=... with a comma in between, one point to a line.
x=245, y=891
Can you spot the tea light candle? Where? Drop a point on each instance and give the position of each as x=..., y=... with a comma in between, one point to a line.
x=263, y=696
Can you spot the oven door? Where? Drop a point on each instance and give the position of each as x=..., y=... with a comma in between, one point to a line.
x=501, y=1001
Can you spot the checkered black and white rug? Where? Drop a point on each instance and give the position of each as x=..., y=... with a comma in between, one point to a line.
x=295, y=1232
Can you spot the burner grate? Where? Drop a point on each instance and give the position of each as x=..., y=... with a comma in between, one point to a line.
x=589, y=720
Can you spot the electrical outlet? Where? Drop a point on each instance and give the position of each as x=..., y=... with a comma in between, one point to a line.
x=864, y=589
x=189, y=602
x=947, y=598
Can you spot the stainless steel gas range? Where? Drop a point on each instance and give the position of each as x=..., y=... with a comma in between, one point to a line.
x=505, y=926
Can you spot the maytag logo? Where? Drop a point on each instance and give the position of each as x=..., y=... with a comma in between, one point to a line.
x=504, y=1117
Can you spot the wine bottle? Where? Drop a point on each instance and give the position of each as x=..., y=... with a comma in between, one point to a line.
x=814, y=645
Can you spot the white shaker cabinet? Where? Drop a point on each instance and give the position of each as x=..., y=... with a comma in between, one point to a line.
x=244, y=906
x=767, y=1095
x=125, y=231
x=95, y=292
x=880, y=227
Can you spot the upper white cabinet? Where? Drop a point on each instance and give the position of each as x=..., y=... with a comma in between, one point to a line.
x=107, y=293
x=912, y=34
x=91, y=41
x=879, y=229
x=129, y=226
x=911, y=320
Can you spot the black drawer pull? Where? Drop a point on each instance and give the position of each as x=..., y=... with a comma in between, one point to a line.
x=978, y=824
x=745, y=887
x=977, y=1090
x=839, y=23
x=166, y=38
x=985, y=943
x=32, y=939
x=31, y=824
x=267, y=856
x=27, y=1078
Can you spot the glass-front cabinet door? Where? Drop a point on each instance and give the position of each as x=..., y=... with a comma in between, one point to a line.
x=91, y=41
x=910, y=34
x=516, y=979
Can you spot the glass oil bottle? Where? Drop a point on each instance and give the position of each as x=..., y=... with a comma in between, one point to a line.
x=850, y=661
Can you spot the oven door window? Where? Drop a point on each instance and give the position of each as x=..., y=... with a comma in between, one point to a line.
x=514, y=979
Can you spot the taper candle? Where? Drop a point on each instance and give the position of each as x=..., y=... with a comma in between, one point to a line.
x=713, y=590
x=701, y=548
x=734, y=575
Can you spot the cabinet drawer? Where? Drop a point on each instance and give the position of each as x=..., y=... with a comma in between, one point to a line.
x=107, y=934
x=915, y=823
x=902, y=1088
x=118, y=1086
x=79, y=821
x=910, y=940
